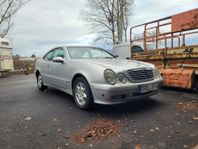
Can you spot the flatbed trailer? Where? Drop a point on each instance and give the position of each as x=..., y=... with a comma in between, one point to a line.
x=175, y=51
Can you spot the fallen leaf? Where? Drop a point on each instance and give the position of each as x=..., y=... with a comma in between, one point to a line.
x=195, y=118
x=66, y=136
x=135, y=131
x=191, y=135
x=28, y=118
x=185, y=146
x=152, y=130
x=196, y=147
x=137, y=146
x=99, y=129
x=7, y=129
x=43, y=133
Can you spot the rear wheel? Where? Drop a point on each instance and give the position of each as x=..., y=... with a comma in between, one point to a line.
x=82, y=93
x=40, y=83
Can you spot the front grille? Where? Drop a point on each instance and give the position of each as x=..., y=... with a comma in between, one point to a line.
x=138, y=75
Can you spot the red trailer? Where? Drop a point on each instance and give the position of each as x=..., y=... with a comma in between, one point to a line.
x=174, y=47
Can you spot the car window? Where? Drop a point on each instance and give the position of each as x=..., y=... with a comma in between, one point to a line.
x=49, y=56
x=136, y=49
x=59, y=53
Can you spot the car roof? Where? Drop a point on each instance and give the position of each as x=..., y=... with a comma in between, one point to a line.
x=81, y=46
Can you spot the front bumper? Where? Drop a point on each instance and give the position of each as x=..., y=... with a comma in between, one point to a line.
x=121, y=93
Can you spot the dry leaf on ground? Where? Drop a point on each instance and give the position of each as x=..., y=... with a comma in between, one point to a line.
x=28, y=118
x=98, y=130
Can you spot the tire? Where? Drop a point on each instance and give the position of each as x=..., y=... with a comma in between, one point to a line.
x=196, y=87
x=40, y=83
x=82, y=93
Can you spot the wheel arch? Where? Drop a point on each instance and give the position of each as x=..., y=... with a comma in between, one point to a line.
x=90, y=100
x=77, y=76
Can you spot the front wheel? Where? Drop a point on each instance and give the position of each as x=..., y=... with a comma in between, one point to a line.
x=82, y=93
x=40, y=83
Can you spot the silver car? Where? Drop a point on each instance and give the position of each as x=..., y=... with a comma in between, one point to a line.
x=92, y=75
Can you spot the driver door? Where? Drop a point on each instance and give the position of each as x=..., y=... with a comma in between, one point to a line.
x=58, y=70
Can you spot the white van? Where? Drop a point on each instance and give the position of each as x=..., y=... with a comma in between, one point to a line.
x=123, y=50
x=6, y=60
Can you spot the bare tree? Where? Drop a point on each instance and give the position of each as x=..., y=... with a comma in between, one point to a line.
x=8, y=8
x=109, y=18
x=128, y=11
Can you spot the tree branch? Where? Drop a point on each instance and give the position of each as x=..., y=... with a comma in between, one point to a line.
x=8, y=9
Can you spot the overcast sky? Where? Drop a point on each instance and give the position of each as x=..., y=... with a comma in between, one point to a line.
x=43, y=24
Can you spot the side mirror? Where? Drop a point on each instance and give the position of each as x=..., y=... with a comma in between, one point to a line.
x=58, y=60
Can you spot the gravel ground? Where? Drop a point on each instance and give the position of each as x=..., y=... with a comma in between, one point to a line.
x=30, y=119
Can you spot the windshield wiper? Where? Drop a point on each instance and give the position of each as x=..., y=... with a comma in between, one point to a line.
x=109, y=57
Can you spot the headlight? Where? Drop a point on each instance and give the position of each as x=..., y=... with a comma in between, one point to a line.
x=122, y=78
x=157, y=74
x=110, y=76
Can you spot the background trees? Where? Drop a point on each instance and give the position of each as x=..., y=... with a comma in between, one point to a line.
x=109, y=18
x=8, y=8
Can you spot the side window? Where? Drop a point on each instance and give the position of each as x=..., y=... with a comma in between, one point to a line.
x=59, y=53
x=49, y=56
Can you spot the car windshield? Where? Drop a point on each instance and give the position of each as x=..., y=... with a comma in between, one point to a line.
x=88, y=52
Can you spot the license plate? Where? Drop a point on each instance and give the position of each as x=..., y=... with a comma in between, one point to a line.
x=147, y=88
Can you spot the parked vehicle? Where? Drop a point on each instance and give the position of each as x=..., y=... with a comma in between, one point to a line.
x=177, y=60
x=92, y=75
x=123, y=50
x=6, y=60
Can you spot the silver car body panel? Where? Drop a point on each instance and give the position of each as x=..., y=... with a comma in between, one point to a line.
x=60, y=76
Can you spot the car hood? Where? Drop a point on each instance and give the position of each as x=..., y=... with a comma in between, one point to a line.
x=118, y=64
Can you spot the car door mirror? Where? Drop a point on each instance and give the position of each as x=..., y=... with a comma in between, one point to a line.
x=58, y=60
